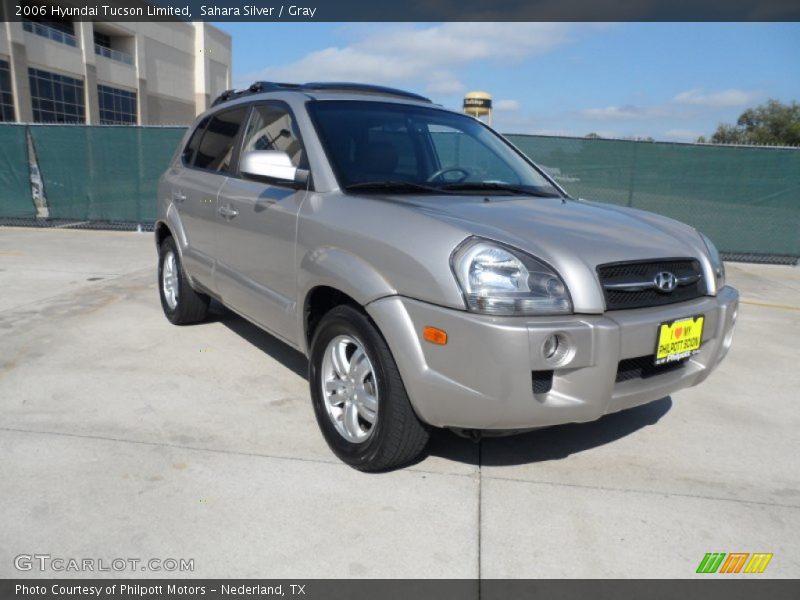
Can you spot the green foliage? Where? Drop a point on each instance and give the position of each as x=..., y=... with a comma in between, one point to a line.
x=773, y=123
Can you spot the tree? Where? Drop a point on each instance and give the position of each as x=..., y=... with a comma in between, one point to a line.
x=772, y=123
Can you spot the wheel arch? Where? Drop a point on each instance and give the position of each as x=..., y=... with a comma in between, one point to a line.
x=162, y=232
x=329, y=277
x=319, y=301
x=169, y=225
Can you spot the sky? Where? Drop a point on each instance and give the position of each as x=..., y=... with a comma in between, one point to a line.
x=668, y=81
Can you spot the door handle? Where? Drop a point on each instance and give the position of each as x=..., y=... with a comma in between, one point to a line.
x=227, y=212
x=178, y=197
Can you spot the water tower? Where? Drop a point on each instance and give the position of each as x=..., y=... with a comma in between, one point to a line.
x=478, y=104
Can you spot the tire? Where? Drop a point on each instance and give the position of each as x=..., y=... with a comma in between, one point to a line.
x=397, y=436
x=186, y=306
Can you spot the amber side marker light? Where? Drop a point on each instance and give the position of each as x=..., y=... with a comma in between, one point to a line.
x=434, y=335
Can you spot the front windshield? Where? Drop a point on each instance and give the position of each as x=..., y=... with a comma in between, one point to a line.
x=421, y=150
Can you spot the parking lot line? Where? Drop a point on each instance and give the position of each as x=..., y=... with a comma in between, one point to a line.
x=769, y=305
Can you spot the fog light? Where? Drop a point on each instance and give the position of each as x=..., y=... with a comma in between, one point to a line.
x=556, y=349
x=550, y=347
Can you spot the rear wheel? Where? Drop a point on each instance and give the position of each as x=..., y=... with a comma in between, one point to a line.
x=182, y=305
x=359, y=399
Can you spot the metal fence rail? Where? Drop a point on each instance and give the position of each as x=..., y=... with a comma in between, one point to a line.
x=747, y=199
x=50, y=33
x=117, y=55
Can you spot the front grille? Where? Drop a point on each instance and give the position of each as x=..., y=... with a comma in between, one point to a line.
x=542, y=381
x=623, y=273
x=642, y=367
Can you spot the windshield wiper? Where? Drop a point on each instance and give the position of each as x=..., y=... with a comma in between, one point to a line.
x=493, y=186
x=395, y=185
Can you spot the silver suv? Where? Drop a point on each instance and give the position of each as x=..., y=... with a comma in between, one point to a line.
x=433, y=275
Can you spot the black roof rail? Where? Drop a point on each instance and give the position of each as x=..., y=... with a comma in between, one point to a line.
x=343, y=86
x=259, y=87
x=223, y=97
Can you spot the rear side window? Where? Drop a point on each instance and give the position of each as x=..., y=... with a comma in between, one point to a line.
x=216, y=147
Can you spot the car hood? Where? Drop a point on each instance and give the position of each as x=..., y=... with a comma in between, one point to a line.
x=574, y=236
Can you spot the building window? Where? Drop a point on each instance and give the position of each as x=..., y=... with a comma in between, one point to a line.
x=117, y=107
x=58, y=31
x=101, y=39
x=6, y=97
x=56, y=98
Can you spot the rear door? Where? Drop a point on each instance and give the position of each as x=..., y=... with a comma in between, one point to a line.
x=207, y=162
x=257, y=271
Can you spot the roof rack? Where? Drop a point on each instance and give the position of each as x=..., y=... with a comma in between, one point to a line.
x=259, y=87
x=340, y=86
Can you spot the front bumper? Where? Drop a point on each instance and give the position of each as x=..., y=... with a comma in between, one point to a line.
x=483, y=377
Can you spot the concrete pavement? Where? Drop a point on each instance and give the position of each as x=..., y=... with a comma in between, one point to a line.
x=123, y=436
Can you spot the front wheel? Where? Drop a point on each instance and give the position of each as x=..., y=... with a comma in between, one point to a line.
x=359, y=399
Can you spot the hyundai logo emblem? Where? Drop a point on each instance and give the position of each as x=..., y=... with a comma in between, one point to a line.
x=665, y=281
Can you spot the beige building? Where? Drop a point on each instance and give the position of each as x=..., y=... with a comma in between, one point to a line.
x=148, y=73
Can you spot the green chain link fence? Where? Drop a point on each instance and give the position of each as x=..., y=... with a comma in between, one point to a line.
x=103, y=173
x=746, y=199
x=16, y=200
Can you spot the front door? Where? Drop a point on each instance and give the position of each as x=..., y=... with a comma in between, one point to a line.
x=257, y=235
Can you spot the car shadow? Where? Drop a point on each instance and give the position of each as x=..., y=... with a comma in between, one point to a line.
x=280, y=351
x=550, y=443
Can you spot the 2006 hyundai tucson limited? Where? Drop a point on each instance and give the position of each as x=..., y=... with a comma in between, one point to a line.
x=433, y=275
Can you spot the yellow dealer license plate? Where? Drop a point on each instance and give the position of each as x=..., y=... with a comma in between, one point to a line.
x=679, y=339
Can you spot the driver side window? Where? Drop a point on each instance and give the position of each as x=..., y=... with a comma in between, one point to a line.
x=273, y=128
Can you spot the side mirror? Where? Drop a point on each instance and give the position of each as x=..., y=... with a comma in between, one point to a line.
x=272, y=165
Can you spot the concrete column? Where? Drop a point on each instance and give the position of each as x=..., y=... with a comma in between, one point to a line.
x=141, y=75
x=90, y=91
x=201, y=60
x=18, y=61
x=85, y=33
x=141, y=100
x=20, y=83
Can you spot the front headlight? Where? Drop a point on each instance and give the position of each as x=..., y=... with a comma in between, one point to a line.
x=716, y=262
x=498, y=280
